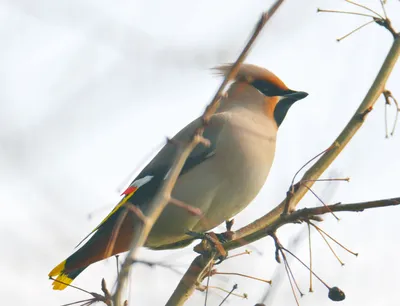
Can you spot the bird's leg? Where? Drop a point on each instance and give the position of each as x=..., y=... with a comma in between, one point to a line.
x=211, y=242
x=228, y=235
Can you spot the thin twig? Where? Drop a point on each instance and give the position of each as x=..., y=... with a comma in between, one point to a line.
x=320, y=200
x=246, y=252
x=344, y=12
x=81, y=301
x=114, y=234
x=365, y=7
x=235, y=286
x=190, y=209
x=395, y=119
x=290, y=280
x=307, y=163
x=300, y=261
x=310, y=253
x=242, y=275
x=384, y=9
x=355, y=30
x=292, y=185
x=69, y=285
x=289, y=271
x=346, y=179
x=388, y=95
x=333, y=239
x=96, y=297
x=208, y=284
x=387, y=102
x=128, y=179
x=203, y=288
x=330, y=247
x=137, y=211
x=117, y=262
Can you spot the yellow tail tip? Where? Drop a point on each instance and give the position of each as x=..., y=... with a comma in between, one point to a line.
x=59, y=269
x=62, y=281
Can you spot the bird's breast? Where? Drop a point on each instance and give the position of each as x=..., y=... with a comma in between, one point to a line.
x=223, y=184
x=243, y=157
x=246, y=146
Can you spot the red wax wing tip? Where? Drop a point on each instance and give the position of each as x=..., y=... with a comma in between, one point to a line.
x=129, y=190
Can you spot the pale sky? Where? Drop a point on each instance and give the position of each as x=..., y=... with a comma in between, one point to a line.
x=90, y=89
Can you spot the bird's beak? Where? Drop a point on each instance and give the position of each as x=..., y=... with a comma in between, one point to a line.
x=295, y=95
x=286, y=101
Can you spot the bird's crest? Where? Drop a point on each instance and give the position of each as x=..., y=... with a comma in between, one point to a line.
x=250, y=73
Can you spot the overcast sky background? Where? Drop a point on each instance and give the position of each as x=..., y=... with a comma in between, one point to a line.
x=90, y=89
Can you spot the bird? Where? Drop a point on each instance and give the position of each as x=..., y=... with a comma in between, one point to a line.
x=220, y=179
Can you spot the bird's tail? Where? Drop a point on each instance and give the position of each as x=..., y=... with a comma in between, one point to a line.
x=97, y=247
x=63, y=278
x=100, y=246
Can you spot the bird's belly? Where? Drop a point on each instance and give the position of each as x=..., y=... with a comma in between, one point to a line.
x=235, y=193
x=175, y=221
x=220, y=187
x=245, y=163
x=219, y=197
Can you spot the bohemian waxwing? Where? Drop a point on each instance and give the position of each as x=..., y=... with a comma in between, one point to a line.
x=220, y=180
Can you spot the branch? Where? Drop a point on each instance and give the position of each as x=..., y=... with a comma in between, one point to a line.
x=200, y=265
x=262, y=226
x=162, y=198
x=306, y=213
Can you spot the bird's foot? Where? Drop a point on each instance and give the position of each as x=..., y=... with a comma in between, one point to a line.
x=211, y=242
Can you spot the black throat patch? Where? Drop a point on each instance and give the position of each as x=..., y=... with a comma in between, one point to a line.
x=271, y=90
x=281, y=109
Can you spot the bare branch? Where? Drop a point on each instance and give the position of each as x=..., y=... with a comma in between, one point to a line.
x=305, y=213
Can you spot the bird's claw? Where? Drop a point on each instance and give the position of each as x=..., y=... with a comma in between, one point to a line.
x=211, y=242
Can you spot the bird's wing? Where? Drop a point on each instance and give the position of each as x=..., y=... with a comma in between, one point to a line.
x=147, y=183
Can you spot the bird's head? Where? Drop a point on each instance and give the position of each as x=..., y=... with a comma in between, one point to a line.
x=254, y=83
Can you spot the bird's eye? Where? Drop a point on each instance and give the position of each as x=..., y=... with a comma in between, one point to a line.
x=266, y=88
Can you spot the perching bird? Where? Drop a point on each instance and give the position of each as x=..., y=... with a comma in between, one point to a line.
x=220, y=180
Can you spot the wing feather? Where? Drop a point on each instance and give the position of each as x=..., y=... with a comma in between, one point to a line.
x=147, y=183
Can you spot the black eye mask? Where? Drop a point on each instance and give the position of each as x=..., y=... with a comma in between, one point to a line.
x=289, y=97
x=267, y=89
